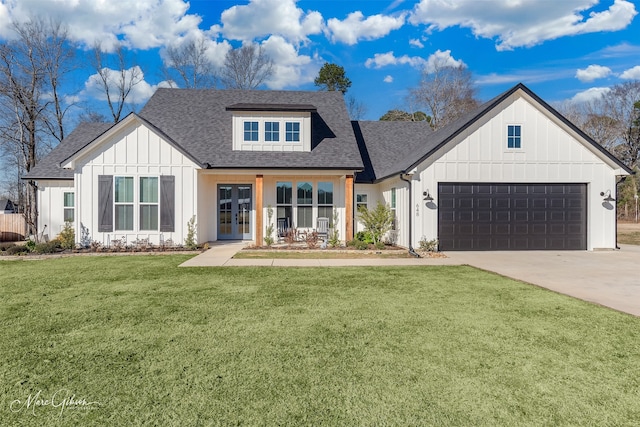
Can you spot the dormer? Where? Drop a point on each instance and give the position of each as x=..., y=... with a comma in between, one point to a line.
x=272, y=127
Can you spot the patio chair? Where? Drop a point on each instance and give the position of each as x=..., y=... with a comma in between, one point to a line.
x=323, y=228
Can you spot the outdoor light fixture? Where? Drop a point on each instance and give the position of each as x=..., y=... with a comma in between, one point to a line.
x=607, y=196
x=427, y=196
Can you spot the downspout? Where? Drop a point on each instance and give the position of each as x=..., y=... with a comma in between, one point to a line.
x=411, y=250
x=622, y=179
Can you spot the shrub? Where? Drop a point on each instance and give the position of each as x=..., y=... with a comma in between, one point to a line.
x=334, y=234
x=190, y=241
x=364, y=236
x=268, y=239
x=428, y=245
x=358, y=244
x=47, y=247
x=67, y=236
x=30, y=245
x=6, y=246
x=17, y=250
x=379, y=245
x=312, y=239
x=377, y=221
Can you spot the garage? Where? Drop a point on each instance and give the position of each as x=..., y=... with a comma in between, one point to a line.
x=499, y=216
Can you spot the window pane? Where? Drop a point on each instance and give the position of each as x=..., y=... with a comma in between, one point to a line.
x=361, y=198
x=292, y=130
x=68, y=215
x=272, y=131
x=149, y=189
x=305, y=219
x=250, y=131
x=124, y=189
x=149, y=217
x=393, y=198
x=124, y=217
x=285, y=212
x=325, y=193
x=326, y=212
x=283, y=190
x=69, y=200
x=305, y=193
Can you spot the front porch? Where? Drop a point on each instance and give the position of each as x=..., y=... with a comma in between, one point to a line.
x=238, y=205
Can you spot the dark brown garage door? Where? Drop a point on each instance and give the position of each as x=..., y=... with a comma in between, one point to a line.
x=489, y=217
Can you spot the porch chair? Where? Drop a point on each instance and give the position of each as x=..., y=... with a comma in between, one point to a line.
x=323, y=228
x=283, y=226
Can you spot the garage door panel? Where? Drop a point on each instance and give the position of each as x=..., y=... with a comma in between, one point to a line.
x=512, y=216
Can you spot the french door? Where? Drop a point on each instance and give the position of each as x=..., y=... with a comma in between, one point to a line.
x=234, y=212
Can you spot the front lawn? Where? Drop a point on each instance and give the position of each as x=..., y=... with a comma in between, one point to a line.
x=139, y=341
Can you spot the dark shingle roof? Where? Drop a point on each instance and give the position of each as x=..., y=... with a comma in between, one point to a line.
x=48, y=168
x=199, y=121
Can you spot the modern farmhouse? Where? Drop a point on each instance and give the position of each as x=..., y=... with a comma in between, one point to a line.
x=512, y=175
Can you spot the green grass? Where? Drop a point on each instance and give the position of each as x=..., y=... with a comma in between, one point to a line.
x=629, y=238
x=154, y=344
x=317, y=254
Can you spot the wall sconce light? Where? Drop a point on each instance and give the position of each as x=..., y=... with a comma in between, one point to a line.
x=427, y=196
x=607, y=196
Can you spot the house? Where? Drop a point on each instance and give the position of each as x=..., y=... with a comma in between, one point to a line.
x=7, y=207
x=513, y=174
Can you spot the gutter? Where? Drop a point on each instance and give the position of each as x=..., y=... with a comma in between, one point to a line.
x=622, y=179
x=401, y=176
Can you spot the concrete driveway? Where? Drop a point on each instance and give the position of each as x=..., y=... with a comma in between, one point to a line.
x=609, y=278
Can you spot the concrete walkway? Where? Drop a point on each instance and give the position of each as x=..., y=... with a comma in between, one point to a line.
x=608, y=278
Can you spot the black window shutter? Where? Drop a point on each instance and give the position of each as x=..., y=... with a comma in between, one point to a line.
x=167, y=203
x=105, y=203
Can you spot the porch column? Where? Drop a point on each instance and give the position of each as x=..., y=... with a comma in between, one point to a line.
x=259, y=219
x=348, y=201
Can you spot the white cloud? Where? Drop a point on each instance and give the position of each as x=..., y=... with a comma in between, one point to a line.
x=517, y=23
x=261, y=18
x=416, y=43
x=141, y=24
x=592, y=72
x=290, y=68
x=388, y=79
x=380, y=60
x=442, y=59
x=590, y=94
x=140, y=93
x=357, y=27
x=215, y=53
x=631, y=73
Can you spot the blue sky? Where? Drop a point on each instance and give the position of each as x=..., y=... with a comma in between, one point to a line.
x=561, y=49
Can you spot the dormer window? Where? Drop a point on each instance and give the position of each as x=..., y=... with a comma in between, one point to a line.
x=293, y=131
x=272, y=127
x=251, y=131
x=272, y=131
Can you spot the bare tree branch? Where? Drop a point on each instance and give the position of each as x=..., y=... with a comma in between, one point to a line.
x=246, y=67
x=191, y=64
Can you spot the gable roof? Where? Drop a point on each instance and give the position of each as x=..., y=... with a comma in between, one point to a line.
x=396, y=147
x=201, y=121
x=49, y=167
x=6, y=205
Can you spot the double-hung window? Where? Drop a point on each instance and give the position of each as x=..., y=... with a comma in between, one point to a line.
x=149, y=203
x=284, y=202
x=251, y=131
x=69, y=207
x=292, y=131
x=305, y=205
x=272, y=131
x=123, y=201
x=514, y=136
x=325, y=201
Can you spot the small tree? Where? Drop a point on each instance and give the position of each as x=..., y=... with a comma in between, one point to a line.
x=268, y=239
x=190, y=241
x=377, y=221
x=332, y=77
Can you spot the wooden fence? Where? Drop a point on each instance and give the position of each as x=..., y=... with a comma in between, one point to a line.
x=13, y=227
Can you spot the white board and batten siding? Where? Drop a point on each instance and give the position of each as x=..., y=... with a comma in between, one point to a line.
x=137, y=151
x=51, y=205
x=550, y=153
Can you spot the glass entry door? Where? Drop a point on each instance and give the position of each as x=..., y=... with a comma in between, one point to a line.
x=234, y=211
